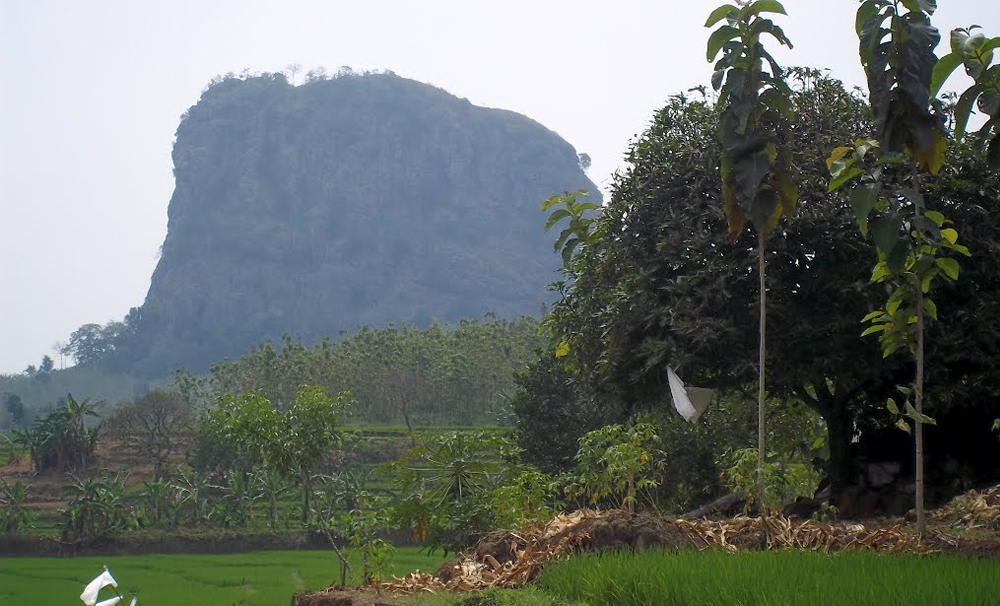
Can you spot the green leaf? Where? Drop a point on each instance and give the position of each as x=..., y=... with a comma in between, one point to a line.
x=717, y=77
x=718, y=39
x=562, y=349
x=901, y=424
x=866, y=12
x=566, y=233
x=950, y=235
x=930, y=307
x=767, y=6
x=885, y=232
x=916, y=416
x=925, y=282
x=915, y=197
x=926, y=6
x=880, y=272
x=948, y=266
x=892, y=305
x=963, y=109
x=721, y=13
x=874, y=329
x=875, y=314
x=843, y=174
x=891, y=405
x=863, y=200
x=942, y=70
x=557, y=216
x=935, y=216
x=957, y=248
x=567, y=253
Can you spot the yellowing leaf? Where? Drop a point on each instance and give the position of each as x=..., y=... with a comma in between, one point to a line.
x=562, y=349
x=837, y=154
x=950, y=235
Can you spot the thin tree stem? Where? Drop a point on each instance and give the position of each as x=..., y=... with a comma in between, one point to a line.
x=761, y=421
x=918, y=429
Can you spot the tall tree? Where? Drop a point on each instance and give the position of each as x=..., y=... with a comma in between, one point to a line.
x=913, y=241
x=754, y=129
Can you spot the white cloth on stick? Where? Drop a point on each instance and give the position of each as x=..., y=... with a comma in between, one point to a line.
x=690, y=402
x=110, y=602
x=89, y=595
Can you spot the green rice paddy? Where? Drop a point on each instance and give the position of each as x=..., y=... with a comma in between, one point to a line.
x=777, y=578
x=263, y=578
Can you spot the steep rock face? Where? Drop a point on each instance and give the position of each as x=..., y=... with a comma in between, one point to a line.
x=369, y=199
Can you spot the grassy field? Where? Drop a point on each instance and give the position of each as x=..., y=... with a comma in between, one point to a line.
x=783, y=578
x=267, y=578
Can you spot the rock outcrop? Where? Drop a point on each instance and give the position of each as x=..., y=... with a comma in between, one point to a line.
x=362, y=199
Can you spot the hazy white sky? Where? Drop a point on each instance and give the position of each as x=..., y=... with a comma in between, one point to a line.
x=91, y=94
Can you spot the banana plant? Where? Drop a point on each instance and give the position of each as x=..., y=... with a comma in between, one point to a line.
x=754, y=131
x=14, y=512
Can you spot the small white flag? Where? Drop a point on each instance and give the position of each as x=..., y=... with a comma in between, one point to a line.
x=110, y=602
x=690, y=402
x=89, y=595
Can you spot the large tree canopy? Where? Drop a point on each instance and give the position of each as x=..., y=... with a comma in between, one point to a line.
x=664, y=284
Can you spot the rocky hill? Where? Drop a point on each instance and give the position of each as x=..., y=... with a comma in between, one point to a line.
x=361, y=199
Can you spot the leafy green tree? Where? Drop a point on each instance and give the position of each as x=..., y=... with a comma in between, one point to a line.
x=754, y=130
x=618, y=462
x=248, y=432
x=442, y=374
x=47, y=365
x=443, y=487
x=15, y=409
x=89, y=344
x=670, y=287
x=912, y=239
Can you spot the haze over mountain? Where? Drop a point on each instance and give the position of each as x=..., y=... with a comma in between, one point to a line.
x=358, y=199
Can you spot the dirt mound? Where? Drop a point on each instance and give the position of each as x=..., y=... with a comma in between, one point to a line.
x=585, y=529
x=343, y=597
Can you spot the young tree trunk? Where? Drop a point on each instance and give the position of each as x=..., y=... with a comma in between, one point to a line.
x=306, y=493
x=761, y=428
x=839, y=431
x=918, y=429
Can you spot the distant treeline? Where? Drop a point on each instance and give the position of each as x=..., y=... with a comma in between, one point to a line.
x=443, y=374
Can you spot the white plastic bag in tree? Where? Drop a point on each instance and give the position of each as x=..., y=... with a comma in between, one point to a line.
x=690, y=402
x=110, y=602
x=89, y=595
